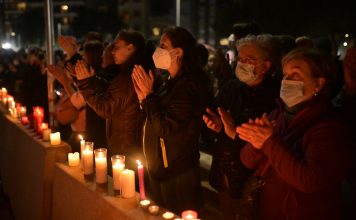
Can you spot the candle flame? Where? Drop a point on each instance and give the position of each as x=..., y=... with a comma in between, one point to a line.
x=80, y=137
x=138, y=163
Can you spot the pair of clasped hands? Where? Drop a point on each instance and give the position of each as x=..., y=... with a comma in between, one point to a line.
x=256, y=132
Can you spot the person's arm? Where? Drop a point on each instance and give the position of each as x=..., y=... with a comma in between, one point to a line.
x=250, y=156
x=77, y=100
x=324, y=163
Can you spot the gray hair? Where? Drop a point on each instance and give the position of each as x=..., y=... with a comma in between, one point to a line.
x=268, y=45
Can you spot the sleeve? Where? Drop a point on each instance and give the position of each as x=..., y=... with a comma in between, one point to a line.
x=77, y=100
x=251, y=157
x=105, y=102
x=324, y=163
x=174, y=115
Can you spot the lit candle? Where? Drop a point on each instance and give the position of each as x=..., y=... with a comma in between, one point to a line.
x=3, y=93
x=73, y=159
x=55, y=138
x=168, y=215
x=82, y=146
x=46, y=133
x=153, y=209
x=88, y=158
x=118, y=165
x=128, y=183
x=141, y=180
x=145, y=203
x=10, y=102
x=101, y=166
x=23, y=111
x=24, y=120
x=189, y=214
x=42, y=127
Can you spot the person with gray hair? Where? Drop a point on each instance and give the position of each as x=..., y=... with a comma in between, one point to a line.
x=246, y=96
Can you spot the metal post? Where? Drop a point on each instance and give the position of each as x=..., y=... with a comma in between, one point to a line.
x=177, y=13
x=50, y=57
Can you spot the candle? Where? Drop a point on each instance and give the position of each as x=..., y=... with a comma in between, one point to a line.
x=118, y=165
x=10, y=102
x=82, y=142
x=42, y=127
x=46, y=133
x=13, y=112
x=141, y=179
x=128, y=183
x=153, y=209
x=23, y=111
x=145, y=203
x=55, y=138
x=189, y=214
x=101, y=166
x=3, y=93
x=24, y=120
x=73, y=159
x=88, y=158
x=168, y=215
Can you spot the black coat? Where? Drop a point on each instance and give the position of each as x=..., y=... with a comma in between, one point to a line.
x=173, y=124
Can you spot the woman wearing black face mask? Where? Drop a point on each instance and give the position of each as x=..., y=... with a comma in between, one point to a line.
x=172, y=127
x=304, y=145
x=248, y=95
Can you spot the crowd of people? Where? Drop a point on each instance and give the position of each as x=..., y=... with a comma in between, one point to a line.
x=273, y=106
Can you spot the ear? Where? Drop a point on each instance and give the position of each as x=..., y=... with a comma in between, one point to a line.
x=179, y=52
x=131, y=47
x=320, y=83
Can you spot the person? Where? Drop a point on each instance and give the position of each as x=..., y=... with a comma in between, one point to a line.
x=246, y=96
x=172, y=126
x=303, y=146
x=118, y=103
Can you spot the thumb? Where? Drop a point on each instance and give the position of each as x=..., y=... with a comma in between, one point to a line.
x=151, y=75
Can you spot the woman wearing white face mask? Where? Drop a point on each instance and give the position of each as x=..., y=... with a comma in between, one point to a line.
x=248, y=95
x=172, y=127
x=304, y=145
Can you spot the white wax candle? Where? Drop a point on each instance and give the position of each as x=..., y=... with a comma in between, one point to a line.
x=116, y=173
x=145, y=203
x=55, y=138
x=168, y=215
x=128, y=183
x=88, y=161
x=73, y=159
x=46, y=134
x=101, y=169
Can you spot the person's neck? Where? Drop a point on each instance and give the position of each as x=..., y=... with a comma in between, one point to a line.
x=173, y=71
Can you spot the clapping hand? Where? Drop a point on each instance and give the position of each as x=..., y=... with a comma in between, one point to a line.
x=81, y=70
x=68, y=44
x=212, y=120
x=256, y=132
x=143, y=82
x=228, y=122
x=58, y=73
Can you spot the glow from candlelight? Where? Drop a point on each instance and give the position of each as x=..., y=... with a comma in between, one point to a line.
x=138, y=163
x=80, y=137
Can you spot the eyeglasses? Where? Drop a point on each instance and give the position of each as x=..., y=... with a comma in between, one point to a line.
x=250, y=60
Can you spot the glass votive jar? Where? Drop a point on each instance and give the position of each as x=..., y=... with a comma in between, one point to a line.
x=145, y=203
x=101, y=165
x=88, y=158
x=118, y=165
x=168, y=215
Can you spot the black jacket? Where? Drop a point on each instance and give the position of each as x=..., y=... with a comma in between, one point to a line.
x=172, y=127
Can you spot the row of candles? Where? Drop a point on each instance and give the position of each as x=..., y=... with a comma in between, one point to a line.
x=123, y=179
x=35, y=120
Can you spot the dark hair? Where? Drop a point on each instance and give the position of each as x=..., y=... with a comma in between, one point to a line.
x=143, y=52
x=182, y=38
x=321, y=64
x=203, y=54
x=93, y=51
x=94, y=36
x=38, y=52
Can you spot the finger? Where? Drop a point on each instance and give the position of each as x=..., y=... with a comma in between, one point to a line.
x=266, y=120
x=151, y=75
x=210, y=112
x=250, y=121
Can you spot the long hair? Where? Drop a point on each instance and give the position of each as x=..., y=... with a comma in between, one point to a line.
x=182, y=38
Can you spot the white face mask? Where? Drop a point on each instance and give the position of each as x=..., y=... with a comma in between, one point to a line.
x=162, y=58
x=292, y=92
x=245, y=72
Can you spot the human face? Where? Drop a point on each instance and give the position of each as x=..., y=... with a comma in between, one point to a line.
x=251, y=54
x=122, y=51
x=299, y=70
x=165, y=43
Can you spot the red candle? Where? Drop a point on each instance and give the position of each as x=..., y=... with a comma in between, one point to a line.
x=24, y=120
x=42, y=127
x=141, y=180
x=189, y=214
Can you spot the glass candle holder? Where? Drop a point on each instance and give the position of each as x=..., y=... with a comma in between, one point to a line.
x=55, y=138
x=88, y=158
x=168, y=215
x=118, y=165
x=153, y=209
x=101, y=165
x=145, y=203
x=189, y=214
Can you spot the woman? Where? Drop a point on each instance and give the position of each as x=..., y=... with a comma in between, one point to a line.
x=118, y=103
x=304, y=146
x=246, y=96
x=172, y=126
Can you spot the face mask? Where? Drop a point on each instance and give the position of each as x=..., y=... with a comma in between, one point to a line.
x=162, y=58
x=244, y=72
x=292, y=92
